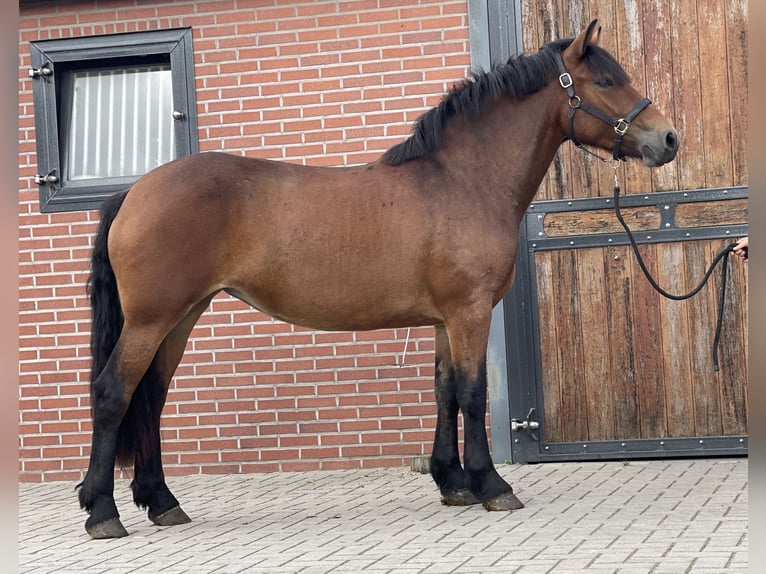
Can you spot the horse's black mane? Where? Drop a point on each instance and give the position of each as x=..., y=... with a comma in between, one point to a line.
x=520, y=76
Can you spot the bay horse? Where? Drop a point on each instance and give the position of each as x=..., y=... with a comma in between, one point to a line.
x=425, y=235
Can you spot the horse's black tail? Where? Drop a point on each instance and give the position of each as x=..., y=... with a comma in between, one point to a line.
x=106, y=312
x=106, y=326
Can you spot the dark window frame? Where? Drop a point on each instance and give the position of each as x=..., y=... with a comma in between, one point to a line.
x=52, y=60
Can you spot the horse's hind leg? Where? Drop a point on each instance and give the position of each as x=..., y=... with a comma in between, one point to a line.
x=112, y=394
x=445, y=459
x=148, y=485
x=150, y=490
x=468, y=334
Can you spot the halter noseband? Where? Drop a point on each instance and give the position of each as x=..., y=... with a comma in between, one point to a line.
x=575, y=103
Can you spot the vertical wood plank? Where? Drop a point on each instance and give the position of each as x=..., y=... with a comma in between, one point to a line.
x=740, y=294
x=576, y=15
x=574, y=407
x=737, y=54
x=702, y=318
x=546, y=316
x=578, y=179
x=619, y=319
x=675, y=344
x=733, y=373
x=550, y=28
x=631, y=54
x=532, y=41
x=647, y=347
x=604, y=10
x=529, y=33
x=714, y=64
x=659, y=77
x=744, y=297
x=593, y=325
x=687, y=93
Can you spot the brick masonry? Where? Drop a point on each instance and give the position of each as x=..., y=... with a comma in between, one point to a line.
x=315, y=82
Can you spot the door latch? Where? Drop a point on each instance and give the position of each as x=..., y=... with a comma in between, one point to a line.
x=528, y=424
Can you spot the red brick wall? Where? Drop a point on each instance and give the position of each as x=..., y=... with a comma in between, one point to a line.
x=318, y=82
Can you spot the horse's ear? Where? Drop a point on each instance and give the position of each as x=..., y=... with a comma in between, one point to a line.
x=590, y=35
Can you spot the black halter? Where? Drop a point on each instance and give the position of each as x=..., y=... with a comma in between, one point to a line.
x=575, y=103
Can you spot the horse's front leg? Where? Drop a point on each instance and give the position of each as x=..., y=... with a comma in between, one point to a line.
x=445, y=459
x=468, y=342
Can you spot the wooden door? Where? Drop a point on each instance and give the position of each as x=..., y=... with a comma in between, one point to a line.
x=603, y=364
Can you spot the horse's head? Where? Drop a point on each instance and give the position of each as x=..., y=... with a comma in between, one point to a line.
x=604, y=110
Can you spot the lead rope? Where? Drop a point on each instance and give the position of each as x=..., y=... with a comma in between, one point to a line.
x=722, y=258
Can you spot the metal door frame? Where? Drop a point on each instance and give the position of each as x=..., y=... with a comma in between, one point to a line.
x=494, y=36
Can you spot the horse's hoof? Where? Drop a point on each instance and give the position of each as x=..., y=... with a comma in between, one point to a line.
x=506, y=501
x=111, y=528
x=462, y=497
x=171, y=517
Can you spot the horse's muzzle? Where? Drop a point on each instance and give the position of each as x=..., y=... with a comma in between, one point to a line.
x=659, y=148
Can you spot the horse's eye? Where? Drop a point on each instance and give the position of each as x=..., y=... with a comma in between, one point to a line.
x=604, y=82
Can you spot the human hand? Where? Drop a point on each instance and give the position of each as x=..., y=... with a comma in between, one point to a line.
x=740, y=249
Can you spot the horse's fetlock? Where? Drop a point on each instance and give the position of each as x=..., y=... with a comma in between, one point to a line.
x=154, y=496
x=86, y=494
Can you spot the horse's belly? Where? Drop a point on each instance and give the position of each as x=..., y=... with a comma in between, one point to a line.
x=339, y=306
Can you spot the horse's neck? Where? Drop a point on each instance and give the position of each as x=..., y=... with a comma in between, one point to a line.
x=509, y=148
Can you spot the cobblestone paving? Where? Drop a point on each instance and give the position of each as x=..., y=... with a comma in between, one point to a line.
x=646, y=517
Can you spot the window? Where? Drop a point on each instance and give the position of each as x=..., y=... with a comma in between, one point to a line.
x=107, y=110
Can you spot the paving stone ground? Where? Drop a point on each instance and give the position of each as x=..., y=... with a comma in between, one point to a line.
x=639, y=517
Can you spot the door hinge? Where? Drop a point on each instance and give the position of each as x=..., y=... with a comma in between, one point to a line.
x=47, y=179
x=42, y=71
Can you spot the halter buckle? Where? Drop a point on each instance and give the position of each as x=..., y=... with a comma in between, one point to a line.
x=565, y=80
x=621, y=126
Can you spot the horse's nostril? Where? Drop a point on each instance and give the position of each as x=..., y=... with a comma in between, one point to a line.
x=671, y=140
